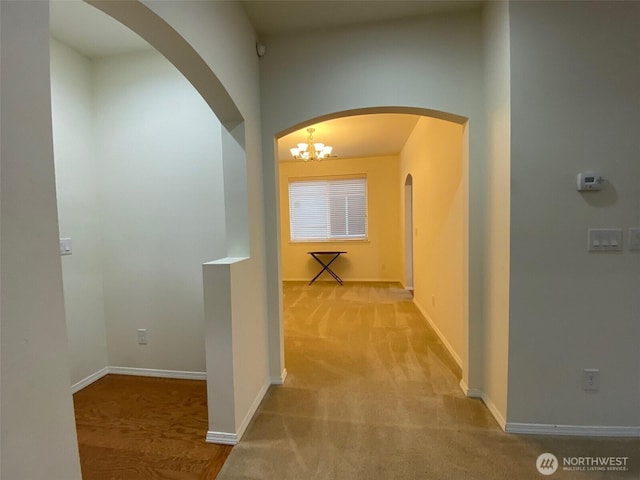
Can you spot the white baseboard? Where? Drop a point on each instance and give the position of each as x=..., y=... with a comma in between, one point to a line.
x=212, y=437
x=543, y=429
x=252, y=410
x=85, y=382
x=572, y=430
x=477, y=393
x=279, y=380
x=495, y=412
x=442, y=338
x=221, y=438
x=152, y=372
x=140, y=372
x=469, y=392
x=226, y=438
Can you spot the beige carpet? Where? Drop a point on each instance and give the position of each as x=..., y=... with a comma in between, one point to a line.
x=372, y=394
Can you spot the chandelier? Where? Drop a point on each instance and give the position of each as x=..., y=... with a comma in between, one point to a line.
x=311, y=150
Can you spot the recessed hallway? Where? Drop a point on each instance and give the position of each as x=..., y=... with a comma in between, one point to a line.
x=371, y=394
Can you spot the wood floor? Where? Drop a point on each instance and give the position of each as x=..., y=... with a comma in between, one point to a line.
x=134, y=428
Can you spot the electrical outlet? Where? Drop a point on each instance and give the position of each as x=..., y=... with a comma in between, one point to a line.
x=591, y=379
x=142, y=336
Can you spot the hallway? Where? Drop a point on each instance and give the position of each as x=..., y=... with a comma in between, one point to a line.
x=371, y=394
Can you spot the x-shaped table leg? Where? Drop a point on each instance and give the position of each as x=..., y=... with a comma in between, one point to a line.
x=325, y=266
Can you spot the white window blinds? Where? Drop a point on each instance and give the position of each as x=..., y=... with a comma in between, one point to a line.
x=328, y=209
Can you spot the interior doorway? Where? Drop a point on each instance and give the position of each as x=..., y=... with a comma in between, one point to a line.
x=213, y=133
x=426, y=210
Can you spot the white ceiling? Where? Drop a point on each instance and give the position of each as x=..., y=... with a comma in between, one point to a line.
x=90, y=31
x=271, y=17
x=95, y=34
x=358, y=136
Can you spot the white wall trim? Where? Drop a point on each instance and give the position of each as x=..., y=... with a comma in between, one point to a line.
x=252, y=410
x=546, y=429
x=469, y=392
x=226, y=438
x=572, y=430
x=221, y=438
x=141, y=372
x=442, y=338
x=85, y=382
x=477, y=393
x=495, y=412
x=152, y=372
x=279, y=380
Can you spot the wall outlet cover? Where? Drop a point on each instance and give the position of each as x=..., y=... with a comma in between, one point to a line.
x=142, y=336
x=591, y=379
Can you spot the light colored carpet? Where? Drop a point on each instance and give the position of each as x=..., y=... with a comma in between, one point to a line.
x=372, y=394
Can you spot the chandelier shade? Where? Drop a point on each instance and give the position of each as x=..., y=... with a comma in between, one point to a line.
x=311, y=150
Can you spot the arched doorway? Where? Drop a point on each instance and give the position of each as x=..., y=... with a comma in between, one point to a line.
x=432, y=243
x=160, y=29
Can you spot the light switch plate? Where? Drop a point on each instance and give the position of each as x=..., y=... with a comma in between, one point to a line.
x=604, y=240
x=65, y=246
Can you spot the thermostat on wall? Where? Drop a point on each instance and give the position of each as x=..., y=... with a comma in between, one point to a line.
x=590, y=181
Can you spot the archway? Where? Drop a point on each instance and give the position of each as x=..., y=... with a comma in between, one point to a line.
x=158, y=27
x=142, y=20
x=454, y=339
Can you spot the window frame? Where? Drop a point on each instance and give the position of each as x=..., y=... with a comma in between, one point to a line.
x=329, y=238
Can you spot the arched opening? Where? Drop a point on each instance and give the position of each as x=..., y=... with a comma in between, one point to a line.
x=222, y=210
x=433, y=156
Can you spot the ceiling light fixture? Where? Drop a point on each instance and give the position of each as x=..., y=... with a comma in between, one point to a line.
x=311, y=150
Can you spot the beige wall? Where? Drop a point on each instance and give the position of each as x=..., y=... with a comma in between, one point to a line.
x=145, y=192
x=78, y=194
x=222, y=36
x=37, y=422
x=433, y=157
x=575, y=80
x=36, y=401
x=495, y=327
x=378, y=258
x=413, y=69
x=116, y=202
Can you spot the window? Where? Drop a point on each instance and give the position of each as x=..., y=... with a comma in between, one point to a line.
x=328, y=209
